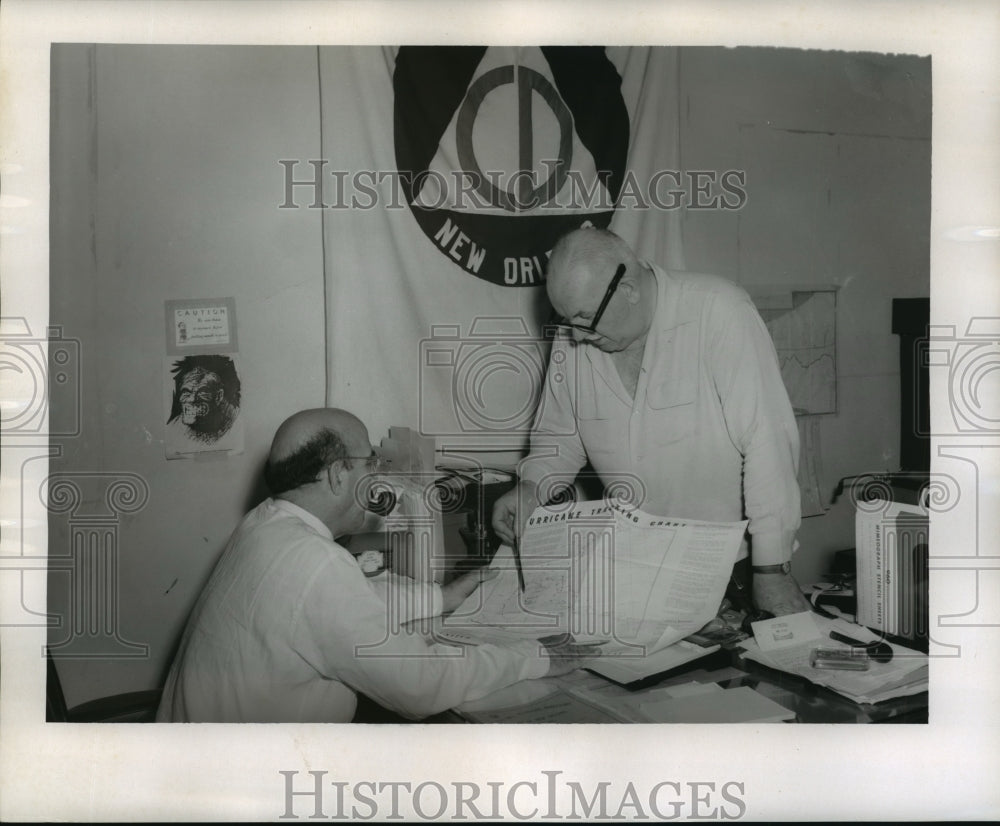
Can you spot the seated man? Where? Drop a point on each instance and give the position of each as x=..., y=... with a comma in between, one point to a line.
x=288, y=627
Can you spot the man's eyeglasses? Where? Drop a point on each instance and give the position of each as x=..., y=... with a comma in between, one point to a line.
x=372, y=461
x=559, y=321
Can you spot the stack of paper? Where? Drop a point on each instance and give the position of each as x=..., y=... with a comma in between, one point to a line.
x=580, y=697
x=629, y=669
x=785, y=643
x=690, y=702
x=627, y=580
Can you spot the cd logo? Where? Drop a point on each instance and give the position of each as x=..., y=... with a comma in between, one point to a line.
x=486, y=151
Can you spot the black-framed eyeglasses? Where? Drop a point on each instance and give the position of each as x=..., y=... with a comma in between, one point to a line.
x=559, y=321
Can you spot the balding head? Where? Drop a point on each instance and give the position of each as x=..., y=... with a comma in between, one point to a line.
x=582, y=263
x=581, y=268
x=310, y=441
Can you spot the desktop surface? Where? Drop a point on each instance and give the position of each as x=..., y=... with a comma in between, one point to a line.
x=558, y=699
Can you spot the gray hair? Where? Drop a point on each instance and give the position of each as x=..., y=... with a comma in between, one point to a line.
x=592, y=248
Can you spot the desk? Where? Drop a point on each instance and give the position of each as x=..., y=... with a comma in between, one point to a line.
x=535, y=701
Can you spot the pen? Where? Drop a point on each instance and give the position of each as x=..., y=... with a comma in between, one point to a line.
x=517, y=561
x=878, y=650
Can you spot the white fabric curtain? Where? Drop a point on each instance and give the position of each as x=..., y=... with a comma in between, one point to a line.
x=434, y=312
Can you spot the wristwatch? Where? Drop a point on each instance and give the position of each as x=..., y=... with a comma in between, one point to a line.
x=783, y=568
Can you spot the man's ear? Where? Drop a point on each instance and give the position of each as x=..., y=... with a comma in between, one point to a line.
x=335, y=473
x=630, y=287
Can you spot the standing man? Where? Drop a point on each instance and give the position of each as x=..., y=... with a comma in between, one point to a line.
x=668, y=382
x=289, y=628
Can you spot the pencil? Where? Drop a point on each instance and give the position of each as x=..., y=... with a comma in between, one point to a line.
x=520, y=570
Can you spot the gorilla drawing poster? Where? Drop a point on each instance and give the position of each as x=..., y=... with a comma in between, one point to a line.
x=203, y=407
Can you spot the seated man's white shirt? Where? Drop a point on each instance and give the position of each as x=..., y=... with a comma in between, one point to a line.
x=288, y=628
x=710, y=433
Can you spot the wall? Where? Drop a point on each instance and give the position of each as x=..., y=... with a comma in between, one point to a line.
x=836, y=149
x=165, y=185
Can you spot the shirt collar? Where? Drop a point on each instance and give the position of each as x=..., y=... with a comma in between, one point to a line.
x=301, y=513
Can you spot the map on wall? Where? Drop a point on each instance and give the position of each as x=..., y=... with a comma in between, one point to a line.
x=803, y=327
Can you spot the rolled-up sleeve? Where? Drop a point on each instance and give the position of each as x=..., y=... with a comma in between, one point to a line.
x=761, y=424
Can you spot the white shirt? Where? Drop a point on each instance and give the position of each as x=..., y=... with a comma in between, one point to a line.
x=288, y=628
x=710, y=433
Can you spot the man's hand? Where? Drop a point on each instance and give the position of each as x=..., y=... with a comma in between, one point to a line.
x=456, y=591
x=566, y=655
x=511, y=512
x=779, y=594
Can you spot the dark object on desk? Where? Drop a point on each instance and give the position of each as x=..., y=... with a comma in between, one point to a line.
x=845, y=566
x=878, y=650
x=131, y=707
x=755, y=616
x=910, y=320
x=481, y=541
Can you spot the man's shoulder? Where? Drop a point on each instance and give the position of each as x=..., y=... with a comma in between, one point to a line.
x=273, y=524
x=706, y=300
x=707, y=287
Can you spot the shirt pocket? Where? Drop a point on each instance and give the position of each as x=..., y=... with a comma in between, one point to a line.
x=673, y=409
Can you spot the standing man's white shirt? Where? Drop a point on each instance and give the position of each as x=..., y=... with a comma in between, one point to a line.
x=288, y=628
x=710, y=433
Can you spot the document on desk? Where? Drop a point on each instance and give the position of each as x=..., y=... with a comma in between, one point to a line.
x=905, y=674
x=602, y=573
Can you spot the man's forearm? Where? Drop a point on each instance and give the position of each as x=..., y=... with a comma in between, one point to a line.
x=772, y=547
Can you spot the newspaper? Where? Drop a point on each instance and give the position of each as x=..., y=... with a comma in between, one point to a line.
x=604, y=574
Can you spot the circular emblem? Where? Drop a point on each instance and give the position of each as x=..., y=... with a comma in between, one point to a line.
x=498, y=214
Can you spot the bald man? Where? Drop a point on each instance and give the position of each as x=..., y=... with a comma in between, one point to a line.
x=288, y=627
x=671, y=379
